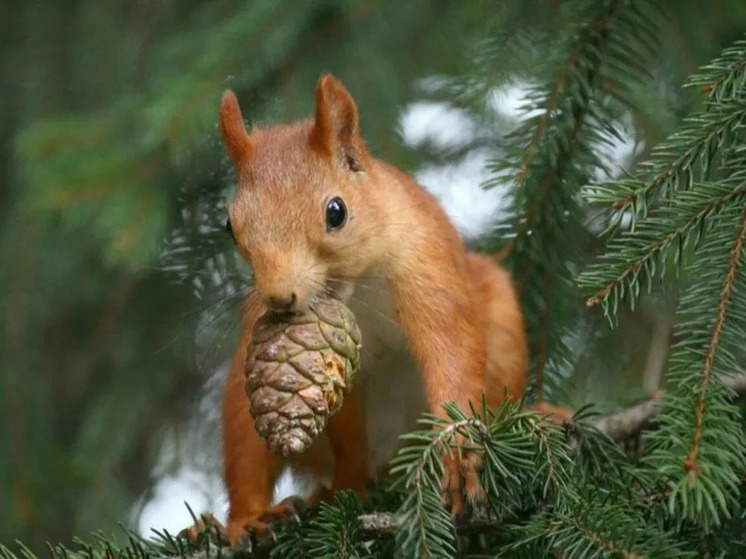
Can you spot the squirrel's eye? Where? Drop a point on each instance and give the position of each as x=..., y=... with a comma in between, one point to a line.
x=336, y=214
x=229, y=229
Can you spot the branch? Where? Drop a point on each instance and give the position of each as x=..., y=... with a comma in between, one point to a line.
x=628, y=422
x=680, y=164
x=619, y=426
x=707, y=370
x=658, y=247
x=379, y=523
x=552, y=102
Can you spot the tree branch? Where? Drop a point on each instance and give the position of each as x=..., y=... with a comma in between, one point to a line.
x=628, y=422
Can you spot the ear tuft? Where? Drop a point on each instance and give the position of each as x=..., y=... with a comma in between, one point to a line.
x=335, y=132
x=236, y=138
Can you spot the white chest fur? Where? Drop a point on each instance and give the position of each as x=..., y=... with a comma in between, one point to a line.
x=393, y=387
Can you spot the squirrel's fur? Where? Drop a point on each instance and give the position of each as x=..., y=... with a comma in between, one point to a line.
x=438, y=322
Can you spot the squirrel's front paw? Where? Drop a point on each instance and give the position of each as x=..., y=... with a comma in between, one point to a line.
x=287, y=509
x=205, y=522
x=238, y=531
x=462, y=479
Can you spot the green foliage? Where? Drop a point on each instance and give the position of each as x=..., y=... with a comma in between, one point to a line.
x=106, y=546
x=685, y=209
x=574, y=96
x=95, y=185
x=680, y=213
x=549, y=489
x=601, y=529
x=334, y=531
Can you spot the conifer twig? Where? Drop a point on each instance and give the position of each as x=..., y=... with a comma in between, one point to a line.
x=707, y=371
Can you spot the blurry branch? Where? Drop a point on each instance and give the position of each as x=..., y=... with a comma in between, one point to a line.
x=105, y=327
x=379, y=523
x=630, y=421
x=658, y=351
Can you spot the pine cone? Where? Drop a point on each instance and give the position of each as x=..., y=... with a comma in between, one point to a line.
x=299, y=367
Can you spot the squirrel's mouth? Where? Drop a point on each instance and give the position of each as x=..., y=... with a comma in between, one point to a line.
x=341, y=290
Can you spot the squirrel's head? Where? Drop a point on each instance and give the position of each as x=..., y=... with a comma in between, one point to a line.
x=303, y=215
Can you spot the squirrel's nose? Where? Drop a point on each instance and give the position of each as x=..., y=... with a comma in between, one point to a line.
x=282, y=303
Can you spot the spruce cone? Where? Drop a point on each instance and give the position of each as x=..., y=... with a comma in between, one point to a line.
x=299, y=367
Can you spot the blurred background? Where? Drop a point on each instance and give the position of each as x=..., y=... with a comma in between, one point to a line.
x=118, y=286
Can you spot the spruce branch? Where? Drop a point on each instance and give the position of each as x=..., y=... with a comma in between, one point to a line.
x=634, y=253
x=508, y=440
x=720, y=78
x=699, y=447
x=601, y=530
x=334, y=531
x=555, y=464
x=670, y=161
x=670, y=167
x=691, y=464
x=602, y=542
x=686, y=211
x=550, y=155
x=581, y=73
x=343, y=529
x=597, y=28
x=430, y=530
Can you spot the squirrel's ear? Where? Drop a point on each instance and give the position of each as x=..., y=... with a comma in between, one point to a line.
x=236, y=138
x=335, y=130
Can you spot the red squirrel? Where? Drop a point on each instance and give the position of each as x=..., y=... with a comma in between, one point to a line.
x=314, y=213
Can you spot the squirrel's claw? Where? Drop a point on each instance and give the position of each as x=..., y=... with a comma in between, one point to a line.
x=237, y=532
x=462, y=478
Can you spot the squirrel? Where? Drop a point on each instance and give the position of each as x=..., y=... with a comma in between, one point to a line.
x=315, y=212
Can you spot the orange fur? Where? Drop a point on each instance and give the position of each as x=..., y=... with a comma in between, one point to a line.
x=237, y=140
x=454, y=313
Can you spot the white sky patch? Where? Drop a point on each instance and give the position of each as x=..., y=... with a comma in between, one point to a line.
x=197, y=479
x=458, y=186
x=166, y=509
x=509, y=100
x=433, y=83
x=439, y=123
x=471, y=208
x=203, y=492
